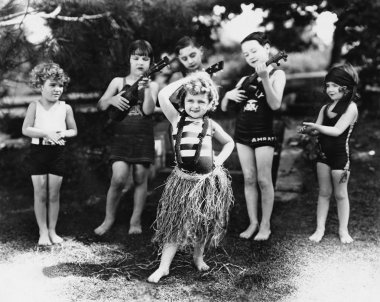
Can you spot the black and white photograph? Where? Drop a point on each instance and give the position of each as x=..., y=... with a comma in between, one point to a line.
x=189, y=150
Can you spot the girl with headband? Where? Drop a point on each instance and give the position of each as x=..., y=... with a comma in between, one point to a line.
x=334, y=127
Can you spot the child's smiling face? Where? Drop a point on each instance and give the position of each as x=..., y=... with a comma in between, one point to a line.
x=255, y=53
x=51, y=90
x=197, y=105
x=334, y=91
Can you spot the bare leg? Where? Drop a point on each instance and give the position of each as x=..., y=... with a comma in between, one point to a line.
x=198, y=257
x=40, y=207
x=248, y=164
x=140, y=177
x=54, y=188
x=343, y=205
x=324, y=194
x=168, y=252
x=119, y=177
x=264, y=160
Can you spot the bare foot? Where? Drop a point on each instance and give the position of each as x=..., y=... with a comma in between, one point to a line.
x=249, y=231
x=44, y=239
x=317, y=236
x=157, y=275
x=262, y=235
x=135, y=229
x=200, y=264
x=103, y=228
x=55, y=239
x=345, y=237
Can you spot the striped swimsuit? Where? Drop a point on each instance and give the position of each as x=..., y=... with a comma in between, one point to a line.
x=189, y=144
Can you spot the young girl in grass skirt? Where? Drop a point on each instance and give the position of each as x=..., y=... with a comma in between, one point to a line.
x=193, y=209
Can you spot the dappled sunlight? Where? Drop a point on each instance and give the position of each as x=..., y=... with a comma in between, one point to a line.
x=344, y=275
x=38, y=274
x=22, y=279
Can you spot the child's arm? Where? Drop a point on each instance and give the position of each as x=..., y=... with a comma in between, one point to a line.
x=71, y=130
x=150, y=95
x=307, y=130
x=273, y=89
x=28, y=128
x=112, y=97
x=237, y=95
x=342, y=124
x=164, y=99
x=228, y=144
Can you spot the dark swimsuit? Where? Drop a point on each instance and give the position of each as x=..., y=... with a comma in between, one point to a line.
x=133, y=141
x=334, y=151
x=254, y=122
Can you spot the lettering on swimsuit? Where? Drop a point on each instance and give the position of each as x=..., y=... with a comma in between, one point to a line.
x=263, y=139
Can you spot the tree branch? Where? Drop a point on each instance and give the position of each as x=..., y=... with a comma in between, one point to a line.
x=17, y=18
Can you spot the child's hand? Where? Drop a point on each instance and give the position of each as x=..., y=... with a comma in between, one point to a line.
x=62, y=137
x=144, y=83
x=119, y=102
x=237, y=95
x=262, y=71
x=312, y=126
x=54, y=137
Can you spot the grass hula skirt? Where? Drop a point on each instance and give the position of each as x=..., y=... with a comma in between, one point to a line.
x=194, y=208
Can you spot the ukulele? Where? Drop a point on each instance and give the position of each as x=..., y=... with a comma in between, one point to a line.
x=248, y=81
x=130, y=94
x=215, y=68
x=210, y=70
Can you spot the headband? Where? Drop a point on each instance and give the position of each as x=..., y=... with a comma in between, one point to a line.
x=342, y=78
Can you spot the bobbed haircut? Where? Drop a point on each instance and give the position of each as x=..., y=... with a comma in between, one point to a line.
x=47, y=71
x=257, y=36
x=141, y=48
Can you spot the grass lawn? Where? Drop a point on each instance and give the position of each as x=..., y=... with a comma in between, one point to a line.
x=288, y=267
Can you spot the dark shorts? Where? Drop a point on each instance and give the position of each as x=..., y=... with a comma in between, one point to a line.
x=47, y=160
x=334, y=161
x=255, y=141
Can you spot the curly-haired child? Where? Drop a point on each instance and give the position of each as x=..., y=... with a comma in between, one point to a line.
x=193, y=209
x=48, y=122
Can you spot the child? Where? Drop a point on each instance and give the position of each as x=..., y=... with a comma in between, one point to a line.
x=133, y=143
x=48, y=122
x=189, y=53
x=334, y=126
x=254, y=136
x=193, y=209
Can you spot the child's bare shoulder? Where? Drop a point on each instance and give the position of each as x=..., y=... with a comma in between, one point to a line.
x=117, y=83
x=279, y=75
